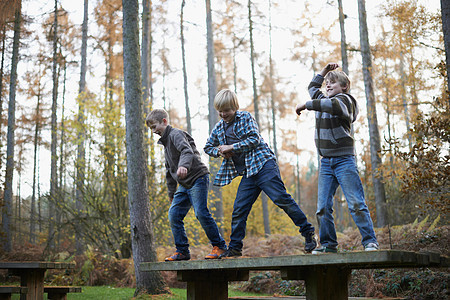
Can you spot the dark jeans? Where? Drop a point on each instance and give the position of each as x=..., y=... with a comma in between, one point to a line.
x=268, y=180
x=182, y=201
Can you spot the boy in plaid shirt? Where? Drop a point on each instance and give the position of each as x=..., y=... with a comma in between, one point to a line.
x=236, y=138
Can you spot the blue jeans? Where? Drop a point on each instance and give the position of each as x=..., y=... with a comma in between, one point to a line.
x=268, y=180
x=182, y=201
x=335, y=171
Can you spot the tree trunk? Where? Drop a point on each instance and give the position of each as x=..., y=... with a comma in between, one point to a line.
x=403, y=81
x=388, y=119
x=1, y=86
x=138, y=202
x=145, y=48
x=183, y=56
x=5, y=237
x=343, y=38
x=252, y=60
x=216, y=192
x=272, y=86
x=81, y=152
x=54, y=136
x=256, y=108
x=33, y=194
x=445, y=15
x=62, y=164
x=375, y=147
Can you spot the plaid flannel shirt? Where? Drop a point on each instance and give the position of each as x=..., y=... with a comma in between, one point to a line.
x=257, y=152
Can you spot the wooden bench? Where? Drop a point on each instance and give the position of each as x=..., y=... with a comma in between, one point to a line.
x=7, y=291
x=326, y=275
x=32, y=275
x=60, y=292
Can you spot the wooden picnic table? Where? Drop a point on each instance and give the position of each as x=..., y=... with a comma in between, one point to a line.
x=326, y=275
x=32, y=275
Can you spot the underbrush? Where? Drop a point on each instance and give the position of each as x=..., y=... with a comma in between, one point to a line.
x=97, y=269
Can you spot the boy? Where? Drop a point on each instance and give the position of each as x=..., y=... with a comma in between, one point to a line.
x=335, y=144
x=184, y=167
x=236, y=138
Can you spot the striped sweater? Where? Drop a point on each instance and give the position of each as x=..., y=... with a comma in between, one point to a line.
x=334, y=117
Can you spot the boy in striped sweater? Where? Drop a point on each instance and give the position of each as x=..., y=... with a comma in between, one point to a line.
x=334, y=115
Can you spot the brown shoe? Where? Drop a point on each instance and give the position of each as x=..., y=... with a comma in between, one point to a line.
x=178, y=256
x=215, y=253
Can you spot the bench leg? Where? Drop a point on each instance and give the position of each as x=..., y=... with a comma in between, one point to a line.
x=5, y=296
x=211, y=284
x=200, y=290
x=322, y=283
x=57, y=296
x=34, y=281
x=327, y=283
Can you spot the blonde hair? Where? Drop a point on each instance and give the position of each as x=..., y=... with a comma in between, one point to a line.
x=226, y=99
x=156, y=115
x=341, y=77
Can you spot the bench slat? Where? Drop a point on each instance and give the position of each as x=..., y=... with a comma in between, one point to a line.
x=62, y=289
x=13, y=290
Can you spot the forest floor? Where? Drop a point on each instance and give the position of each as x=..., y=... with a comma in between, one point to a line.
x=420, y=284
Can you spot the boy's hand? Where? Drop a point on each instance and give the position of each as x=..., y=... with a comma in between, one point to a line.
x=181, y=172
x=300, y=107
x=226, y=151
x=225, y=148
x=329, y=67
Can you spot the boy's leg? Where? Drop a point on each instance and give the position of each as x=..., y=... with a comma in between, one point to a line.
x=269, y=180
x=326, y=189
x=198, y=196
x=246, y=196
x=177, y=212
x=347, y=174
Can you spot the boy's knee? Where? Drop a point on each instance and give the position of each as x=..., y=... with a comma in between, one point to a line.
x=358, y=209
x=172, y=214
x=320, y=212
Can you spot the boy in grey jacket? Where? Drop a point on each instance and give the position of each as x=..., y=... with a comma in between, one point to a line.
x=185, y=168
x=334, y=115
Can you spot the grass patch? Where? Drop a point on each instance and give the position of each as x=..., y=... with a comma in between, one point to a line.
x=115, y=293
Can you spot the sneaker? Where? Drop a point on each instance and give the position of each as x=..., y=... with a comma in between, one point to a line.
x=177, y=256
x=215, y=253
x=323, y=249
x=371, y=247
x=310, y=242
x=230, y=253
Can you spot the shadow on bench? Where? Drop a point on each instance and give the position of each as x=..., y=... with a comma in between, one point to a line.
x=7, y=291
x=60, y=292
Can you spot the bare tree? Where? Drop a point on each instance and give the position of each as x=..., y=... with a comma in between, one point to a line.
x=272, y=84
x=1, y=85
x=343, y=38
x=375, y=147
x=6, y=237
x=445, y=15
x=265, y=208
x=81, y=152
x=213, y=117
x=140, y=219
x=183, y=56
x=146, y=50
x=54, y=135
x=36, y=145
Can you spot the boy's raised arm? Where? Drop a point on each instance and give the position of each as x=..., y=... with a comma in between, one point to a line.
x=329, y=67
